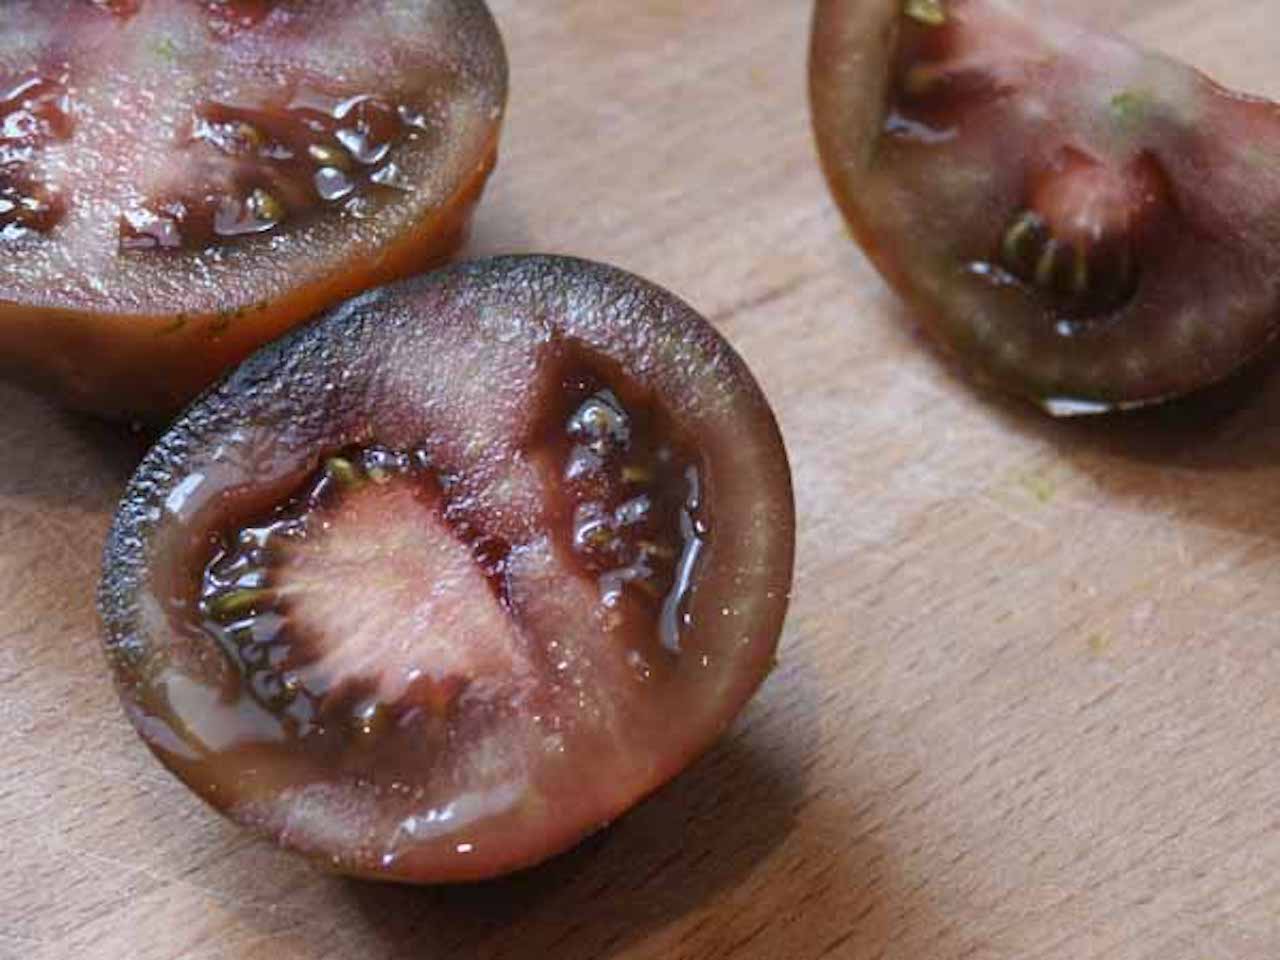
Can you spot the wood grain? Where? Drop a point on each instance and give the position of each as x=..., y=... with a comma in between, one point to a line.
x=1029, y=702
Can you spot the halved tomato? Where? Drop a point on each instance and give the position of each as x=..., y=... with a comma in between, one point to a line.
x=184, y=180
x=438, y=586
x=1083, y=222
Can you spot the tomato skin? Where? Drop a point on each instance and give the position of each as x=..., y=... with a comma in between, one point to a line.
x=587, y=734
x=938, y=141
x=129, y=333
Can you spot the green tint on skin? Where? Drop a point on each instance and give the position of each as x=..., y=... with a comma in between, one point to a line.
x=1131, y=108
x=165, y=49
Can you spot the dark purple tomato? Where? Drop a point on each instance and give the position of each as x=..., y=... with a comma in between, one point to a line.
x=183, y=180
x=435, y=587
x=1083, y=222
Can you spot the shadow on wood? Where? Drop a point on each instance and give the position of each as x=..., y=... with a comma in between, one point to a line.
x=1211, y=458
x=700, y=835
x=79, y=461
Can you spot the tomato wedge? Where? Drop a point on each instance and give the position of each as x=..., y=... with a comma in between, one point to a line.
x=436, y=587
x=184, y=180
x=1083, y=222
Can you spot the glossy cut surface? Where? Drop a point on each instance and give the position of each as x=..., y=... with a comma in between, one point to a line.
x=1081, y=221
x=436, y=587
x=1026, y=700
x=184, y=180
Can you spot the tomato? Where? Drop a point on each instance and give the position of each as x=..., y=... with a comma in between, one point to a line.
x=436, y=587
x=1082, y=222
x=184, y=180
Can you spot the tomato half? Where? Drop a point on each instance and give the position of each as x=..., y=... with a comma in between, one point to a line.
x=184, y=180
x=436, y=587
x=1081, y=221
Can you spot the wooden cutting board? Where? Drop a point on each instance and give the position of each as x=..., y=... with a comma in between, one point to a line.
x=1029, y=698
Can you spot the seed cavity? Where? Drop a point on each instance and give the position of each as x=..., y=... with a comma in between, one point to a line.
x=601, y=424
x=27, y=207
x=1077, y=244
x=592, y=528
x=256, y=168
x=937, y=80
x=34, y=111
x=248, y=602
x=258, y=212
x=627, y=475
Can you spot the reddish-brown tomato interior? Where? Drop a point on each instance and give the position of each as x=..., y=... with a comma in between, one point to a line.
x=1084, y=224
x=256, y=169
x=629, y=514
x=33, y=112
x=1079, y=220
x=183, y=180
x=436, y=587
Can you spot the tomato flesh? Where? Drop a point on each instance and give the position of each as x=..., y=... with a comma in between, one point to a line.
x=182, y=180
x=440, y=585
x=1081, y=221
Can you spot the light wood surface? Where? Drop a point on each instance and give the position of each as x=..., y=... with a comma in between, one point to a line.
x=1029, y=698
